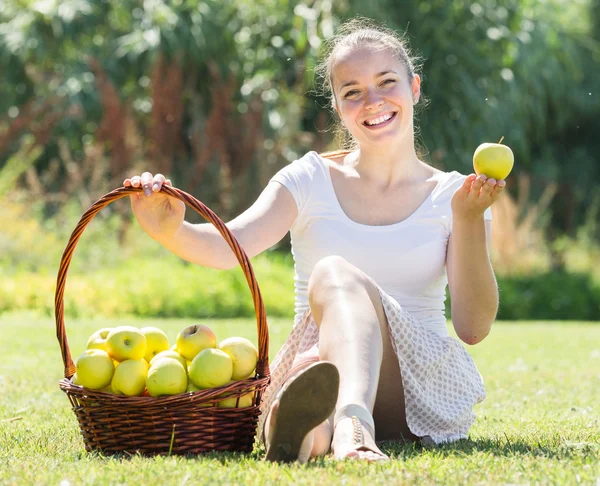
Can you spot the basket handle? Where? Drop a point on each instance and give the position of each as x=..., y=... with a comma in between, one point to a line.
x=262, y=366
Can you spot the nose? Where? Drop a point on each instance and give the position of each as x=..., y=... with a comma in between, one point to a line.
x=373, y=99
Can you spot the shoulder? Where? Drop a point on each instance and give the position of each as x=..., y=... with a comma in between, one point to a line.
x=449, y=182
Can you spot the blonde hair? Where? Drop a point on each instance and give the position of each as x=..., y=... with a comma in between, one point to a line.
x=355, y=33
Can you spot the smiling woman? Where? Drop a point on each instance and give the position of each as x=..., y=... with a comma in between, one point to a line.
x=377, y=236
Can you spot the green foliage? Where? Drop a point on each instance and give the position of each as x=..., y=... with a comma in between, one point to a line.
x=163, y=287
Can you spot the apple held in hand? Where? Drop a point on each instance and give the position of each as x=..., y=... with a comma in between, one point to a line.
x=166, y=376
x=243, y=354
x=156, y=341
x=494, y=160
x=211, y=368
x=98, y=339
x=130, y=377
x=95, y=369
x=193, y=339
x=126, y=342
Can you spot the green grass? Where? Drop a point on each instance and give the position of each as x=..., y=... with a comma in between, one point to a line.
x=538, y=425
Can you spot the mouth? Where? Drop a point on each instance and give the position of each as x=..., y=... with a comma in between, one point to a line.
x=380, y=120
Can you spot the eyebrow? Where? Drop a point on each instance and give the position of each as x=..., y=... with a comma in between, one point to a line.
x=378, y=75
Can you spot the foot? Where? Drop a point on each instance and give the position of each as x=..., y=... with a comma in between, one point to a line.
x=304, y=403
x=307, y=443
x=354, y=437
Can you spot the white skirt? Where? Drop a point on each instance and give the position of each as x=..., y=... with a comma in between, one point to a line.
x=440, y=380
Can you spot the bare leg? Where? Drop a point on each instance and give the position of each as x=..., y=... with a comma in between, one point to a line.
x=348, y=311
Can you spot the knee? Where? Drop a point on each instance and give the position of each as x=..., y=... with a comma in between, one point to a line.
x=333, y=274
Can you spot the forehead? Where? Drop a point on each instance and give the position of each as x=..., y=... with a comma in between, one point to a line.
x=364, y=62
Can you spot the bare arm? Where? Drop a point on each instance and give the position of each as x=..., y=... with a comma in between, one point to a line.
x=261, y=226
x=471, y=280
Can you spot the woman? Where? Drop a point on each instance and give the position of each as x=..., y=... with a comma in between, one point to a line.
x=377, y=234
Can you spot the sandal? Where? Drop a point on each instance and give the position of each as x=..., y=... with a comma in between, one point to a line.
x=304, y=403
x=361, y=419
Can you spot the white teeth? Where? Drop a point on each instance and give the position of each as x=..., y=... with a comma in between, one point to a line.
x=379, y=119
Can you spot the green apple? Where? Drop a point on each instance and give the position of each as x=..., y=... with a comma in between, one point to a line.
x=126, y=342
x=166, y=376
x=130, y=377
x=243, y=354
x=245, y=401
x=156, y=341
x=193, y=339
x=495, y=160
x=98, y=339
x=191, y=387
x=95, y=369
x=170, y=354
x=75, y=380
x=211, y=368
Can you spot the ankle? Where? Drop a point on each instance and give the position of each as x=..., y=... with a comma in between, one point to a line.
x=359, y=412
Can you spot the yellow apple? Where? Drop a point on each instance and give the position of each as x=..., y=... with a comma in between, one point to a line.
x=191, y=387
x=156, y=341
x=243, y=354
x=495, y=160
x=75, y=380
x=170, y=354
x=245, y=401
x=126, y=342
x=193, y=339
x=211, y=368
x=130, y=377
x=95, y=369
x=166, y=376
x=98, y=339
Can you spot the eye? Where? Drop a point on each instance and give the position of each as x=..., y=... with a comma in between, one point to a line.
x=351, y=93
x=388, y=81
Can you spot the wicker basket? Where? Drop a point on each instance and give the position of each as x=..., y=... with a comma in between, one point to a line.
x=189, y=423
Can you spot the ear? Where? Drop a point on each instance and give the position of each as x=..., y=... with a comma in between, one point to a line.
x=416, y=88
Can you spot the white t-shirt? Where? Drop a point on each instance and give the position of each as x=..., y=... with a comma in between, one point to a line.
x=406, y=259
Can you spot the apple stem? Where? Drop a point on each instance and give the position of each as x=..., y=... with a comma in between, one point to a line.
x=501, y=139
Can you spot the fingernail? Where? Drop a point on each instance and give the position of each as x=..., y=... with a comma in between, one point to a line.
x=155, y=187
x=147, y=191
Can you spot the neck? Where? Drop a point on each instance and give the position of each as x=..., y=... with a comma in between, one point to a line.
x=387, y=164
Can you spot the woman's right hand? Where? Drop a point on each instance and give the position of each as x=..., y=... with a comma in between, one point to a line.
x=158, y=214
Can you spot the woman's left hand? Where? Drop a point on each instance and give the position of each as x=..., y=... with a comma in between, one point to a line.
x=477, y=193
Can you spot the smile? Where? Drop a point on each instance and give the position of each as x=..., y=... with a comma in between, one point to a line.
x=381, y=120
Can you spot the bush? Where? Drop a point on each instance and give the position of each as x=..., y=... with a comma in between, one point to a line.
x=547, y=296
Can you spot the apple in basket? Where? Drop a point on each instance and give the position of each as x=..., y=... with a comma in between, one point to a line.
x=130, y=377
x=211, y=368
x=156, y=341
x=170, y=354
x=193, y=339
x=126, y=342
x=95, y=369
x=167, y=376
x=243, y=354
x=98, y=339
x=231, y=402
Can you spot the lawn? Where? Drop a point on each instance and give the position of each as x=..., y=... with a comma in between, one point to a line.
x=539, y=424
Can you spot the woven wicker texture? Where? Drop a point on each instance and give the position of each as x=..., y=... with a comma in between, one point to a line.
x=189, y=423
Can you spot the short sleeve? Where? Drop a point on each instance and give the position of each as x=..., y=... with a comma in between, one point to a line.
x=297, y=178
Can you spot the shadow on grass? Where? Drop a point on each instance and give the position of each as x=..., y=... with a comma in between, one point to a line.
x=555, y=448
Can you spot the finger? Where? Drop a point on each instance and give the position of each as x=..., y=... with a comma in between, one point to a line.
x=135, y=181
x=477, y=185
x=147, y=183
x=127, y=182
x=488, y=187
x=468, y=182
x=158, y=181
x=168, y=182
